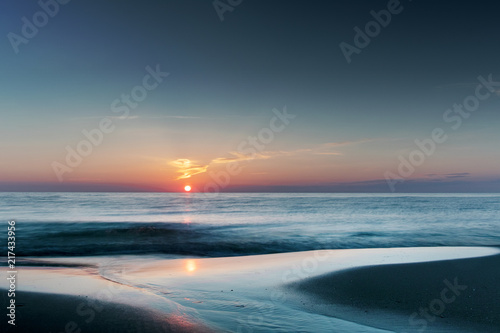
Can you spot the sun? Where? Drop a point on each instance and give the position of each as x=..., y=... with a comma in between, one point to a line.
x=187, y=188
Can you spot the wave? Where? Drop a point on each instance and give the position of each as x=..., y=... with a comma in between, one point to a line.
x=41, y=239
x=87, y=239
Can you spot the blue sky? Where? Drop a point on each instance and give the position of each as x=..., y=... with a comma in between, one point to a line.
x=353, y=120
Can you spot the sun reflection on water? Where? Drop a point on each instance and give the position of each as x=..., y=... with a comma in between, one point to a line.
x=190, y=265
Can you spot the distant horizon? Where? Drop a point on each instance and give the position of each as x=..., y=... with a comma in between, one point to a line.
x=347, y=188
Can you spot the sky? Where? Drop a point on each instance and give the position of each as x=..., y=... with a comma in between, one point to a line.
x=249, y=96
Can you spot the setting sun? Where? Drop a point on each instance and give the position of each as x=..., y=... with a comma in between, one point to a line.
x=187, y=188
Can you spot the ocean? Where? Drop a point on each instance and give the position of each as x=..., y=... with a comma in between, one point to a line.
x=238, y=224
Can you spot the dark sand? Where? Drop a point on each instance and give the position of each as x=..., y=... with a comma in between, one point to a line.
x=386, y=296
x=39, y=312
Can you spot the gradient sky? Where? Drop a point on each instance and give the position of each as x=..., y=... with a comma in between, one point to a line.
x=353, y=121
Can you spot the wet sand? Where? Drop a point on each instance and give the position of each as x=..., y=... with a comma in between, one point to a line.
x=363, y=290
x=39, y=312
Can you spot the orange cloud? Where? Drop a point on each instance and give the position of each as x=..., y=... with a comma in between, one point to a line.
x=187, y=168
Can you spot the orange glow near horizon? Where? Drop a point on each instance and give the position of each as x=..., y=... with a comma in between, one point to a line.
x=187, y=188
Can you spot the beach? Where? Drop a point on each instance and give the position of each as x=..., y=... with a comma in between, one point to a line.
x=357, y=290
x=269, y=262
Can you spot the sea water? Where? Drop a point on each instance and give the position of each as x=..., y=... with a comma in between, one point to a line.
x=234, y=224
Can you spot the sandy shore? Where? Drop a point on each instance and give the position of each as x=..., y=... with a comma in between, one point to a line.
x=38, y=312
x=446, y=296
x=76, y=299
x=365, y=290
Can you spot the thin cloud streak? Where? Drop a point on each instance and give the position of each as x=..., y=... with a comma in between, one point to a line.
x=142, y=117
x=189, y=168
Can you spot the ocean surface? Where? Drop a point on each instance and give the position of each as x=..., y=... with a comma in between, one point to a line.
x=234, y=224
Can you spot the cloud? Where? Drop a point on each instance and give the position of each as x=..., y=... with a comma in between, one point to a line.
x=346, y=143
x=187, y=168
x=263, y=155
x=455, y=175
x=175, y=117
x=327, y=153
x=239, y=157
x=110, y=117
x=141, y=117
x=326, y=148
